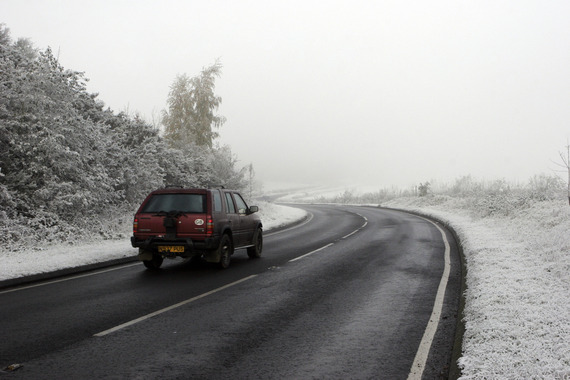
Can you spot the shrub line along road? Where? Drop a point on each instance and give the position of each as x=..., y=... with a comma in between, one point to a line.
x=348, y=293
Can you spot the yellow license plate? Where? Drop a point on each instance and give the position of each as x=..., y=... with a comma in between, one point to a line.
x=171, y=248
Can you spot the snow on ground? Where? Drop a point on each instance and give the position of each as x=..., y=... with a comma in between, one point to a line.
x=34, y=261
x=304, y=193
x=517, y=311
x=274, y=216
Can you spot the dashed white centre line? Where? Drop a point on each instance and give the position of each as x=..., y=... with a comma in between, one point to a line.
x=310, y=253
x=144, y=317
x=328, y=245
x=358, y=229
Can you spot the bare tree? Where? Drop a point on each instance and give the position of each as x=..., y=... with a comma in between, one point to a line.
x=251, y=179
x=565, y=157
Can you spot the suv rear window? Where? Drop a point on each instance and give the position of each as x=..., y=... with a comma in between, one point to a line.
x=191, y=203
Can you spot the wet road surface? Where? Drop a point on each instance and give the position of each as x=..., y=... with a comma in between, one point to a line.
x=347, y=294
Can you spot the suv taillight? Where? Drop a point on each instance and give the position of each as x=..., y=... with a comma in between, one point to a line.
x=209, y=225
x=135, y=226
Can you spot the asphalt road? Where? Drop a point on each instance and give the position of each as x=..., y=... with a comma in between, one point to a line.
x=347, y=294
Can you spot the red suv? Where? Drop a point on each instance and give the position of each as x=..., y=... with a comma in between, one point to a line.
x=189, y=223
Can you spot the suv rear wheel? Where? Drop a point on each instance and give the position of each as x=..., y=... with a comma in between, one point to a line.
x=225, y=250
x=255, y=251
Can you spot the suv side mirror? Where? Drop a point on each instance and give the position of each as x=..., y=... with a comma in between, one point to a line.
x=253, y=209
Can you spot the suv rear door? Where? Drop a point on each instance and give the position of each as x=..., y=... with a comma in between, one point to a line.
x=186, y=211
x=233, y=218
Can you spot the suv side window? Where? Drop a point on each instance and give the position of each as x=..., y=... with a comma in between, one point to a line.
x=217, y=201
x=230, y=204
x=242, y=207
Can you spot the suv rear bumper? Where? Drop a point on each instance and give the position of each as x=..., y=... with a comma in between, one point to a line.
x=190, y=246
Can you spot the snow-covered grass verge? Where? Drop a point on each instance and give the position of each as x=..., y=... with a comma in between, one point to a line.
x=26, y=262
x=517, y=309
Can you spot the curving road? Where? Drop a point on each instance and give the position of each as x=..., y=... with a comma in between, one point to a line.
x=347, y=294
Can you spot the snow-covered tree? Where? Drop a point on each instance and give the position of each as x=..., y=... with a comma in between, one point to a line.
x=423, y=189
x=5, y=38
x=224, y=170
x=69, y=166
x=192, y=103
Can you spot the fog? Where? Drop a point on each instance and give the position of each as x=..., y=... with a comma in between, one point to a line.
x=381, y=93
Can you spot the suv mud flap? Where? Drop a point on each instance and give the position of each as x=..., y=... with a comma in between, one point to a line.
x=144, y=255
x=212, y=256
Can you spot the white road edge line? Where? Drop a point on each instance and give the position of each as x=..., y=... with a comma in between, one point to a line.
x=310, y=253
x=420, y=360
x=145, y=317
x=68, y=278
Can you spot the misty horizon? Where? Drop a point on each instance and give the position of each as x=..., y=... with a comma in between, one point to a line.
x=381, y=94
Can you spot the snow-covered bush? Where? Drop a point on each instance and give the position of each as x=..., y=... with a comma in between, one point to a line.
x=546, y=187
x=70, y=168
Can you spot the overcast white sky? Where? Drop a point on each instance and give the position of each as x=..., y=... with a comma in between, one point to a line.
x=354, y=92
